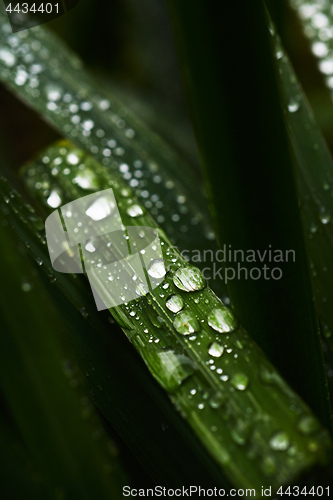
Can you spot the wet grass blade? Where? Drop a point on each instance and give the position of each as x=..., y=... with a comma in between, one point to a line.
x=95, y=120
x=315, y=167
x=317, y=21
x=249, y=172
x=116, y=378
x=45, y=409
x=220, y=381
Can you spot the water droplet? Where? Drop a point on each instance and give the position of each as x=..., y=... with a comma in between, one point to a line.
x=308, y=424
x=72, y=159
x=100, y=209
x=142, y=289
x=313, y=228
x=156, y=269
x=279, y=441
x=84, y=312
x=88, y=125
x=172, y=369
x=240, y=381
x=217, y=400
x=90, y=247
x=222, y=319
x=319, y=49
x=54, y=200
x=215, y=350
x=189, y=279
x=186, y=323
x=175, y=303
x=240, y=433
x=86, y=179
x=293, y=105
x=39, y=261
x=134, y=211
x=7, y=57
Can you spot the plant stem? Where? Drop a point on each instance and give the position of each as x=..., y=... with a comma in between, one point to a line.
x=233, y=94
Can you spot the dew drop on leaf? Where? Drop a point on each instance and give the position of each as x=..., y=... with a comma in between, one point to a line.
x=240, y=381
x=215, y=350
x=186, y=323
x=134, y=211
x=189, y=279
x=222, y=319
x=156, y=269
x=293, y=105
x=308, y=424
x=100, y=209
x=54, y=200
x=279, y=441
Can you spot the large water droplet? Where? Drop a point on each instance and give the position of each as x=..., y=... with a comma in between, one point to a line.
x=240, y=381
x=189, y=279
x=7, y=57
x=215, y=350
x=54, y=200
x=175, y=303
x=293, y=105
x=308, y=424
x=222, y=319
x=156, y=269
x=279, y=441
x=186, y=323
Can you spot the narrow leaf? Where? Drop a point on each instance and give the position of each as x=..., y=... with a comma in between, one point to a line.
x=216, y=376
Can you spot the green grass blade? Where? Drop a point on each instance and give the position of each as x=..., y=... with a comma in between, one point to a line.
x=317, y=21
x=246, y=158
x=95, y=120
x=227, y=391
x=42, y=404
x=101, y=349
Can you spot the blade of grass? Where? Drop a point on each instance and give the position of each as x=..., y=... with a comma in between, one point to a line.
x=217, y=377
x=43, y=405
x=315, y=179
x=252, y=189
x=102, y=351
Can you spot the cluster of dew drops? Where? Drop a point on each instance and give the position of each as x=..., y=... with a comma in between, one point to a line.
x=220, y=318
x=28, y=65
